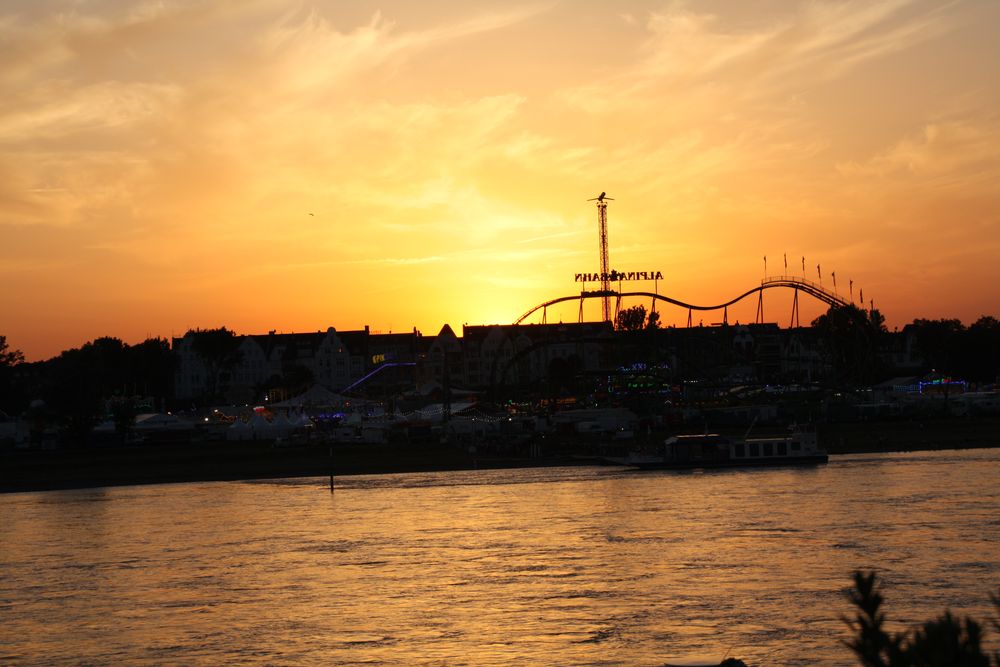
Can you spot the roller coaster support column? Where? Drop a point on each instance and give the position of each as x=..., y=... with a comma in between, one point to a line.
x=725, y=315
x=689, y=318
x=760, y=307
x=579, y=317
x=795, y=311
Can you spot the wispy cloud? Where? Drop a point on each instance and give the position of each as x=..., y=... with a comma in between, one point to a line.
x=186, y=143
x=950, y=149
x=401, y=261
x=687, y=52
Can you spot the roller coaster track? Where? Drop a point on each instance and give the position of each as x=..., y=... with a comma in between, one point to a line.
x=376, y=371
x=815, y=290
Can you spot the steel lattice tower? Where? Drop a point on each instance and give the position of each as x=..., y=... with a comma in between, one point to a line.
x=602, y=228
x=602, y=222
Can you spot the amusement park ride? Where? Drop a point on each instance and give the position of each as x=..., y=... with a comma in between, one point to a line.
x=602, y=228
x=607, y=277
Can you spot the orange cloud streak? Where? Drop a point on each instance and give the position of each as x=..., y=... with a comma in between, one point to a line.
x=190, y=164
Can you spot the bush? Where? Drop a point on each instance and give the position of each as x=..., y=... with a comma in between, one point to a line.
x=946, y=641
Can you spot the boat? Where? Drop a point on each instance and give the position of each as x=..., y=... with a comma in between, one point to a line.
x=711, y=450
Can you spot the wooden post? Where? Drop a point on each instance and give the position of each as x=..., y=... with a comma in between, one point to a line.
x=331, y=468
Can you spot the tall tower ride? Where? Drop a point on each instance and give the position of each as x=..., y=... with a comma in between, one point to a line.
x=602, y=224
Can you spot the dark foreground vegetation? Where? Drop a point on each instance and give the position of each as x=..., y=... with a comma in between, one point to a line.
x=946, y=641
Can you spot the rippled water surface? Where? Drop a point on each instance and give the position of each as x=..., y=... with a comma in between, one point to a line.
x=559, y=566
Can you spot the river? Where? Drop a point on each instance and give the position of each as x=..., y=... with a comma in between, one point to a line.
x=545, y=566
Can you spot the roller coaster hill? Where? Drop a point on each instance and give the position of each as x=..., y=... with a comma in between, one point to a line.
x=758, y=351
x=794, y=283
x=711, y=358
x=606, y=277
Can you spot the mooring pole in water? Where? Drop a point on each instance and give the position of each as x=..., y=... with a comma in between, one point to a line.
x=331, y=469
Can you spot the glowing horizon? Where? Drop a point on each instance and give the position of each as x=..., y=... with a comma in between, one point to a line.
x=265, y=165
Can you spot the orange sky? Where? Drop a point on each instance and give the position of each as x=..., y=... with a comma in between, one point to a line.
x=159, y=161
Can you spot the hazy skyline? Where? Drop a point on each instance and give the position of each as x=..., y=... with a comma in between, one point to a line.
x=273, y=165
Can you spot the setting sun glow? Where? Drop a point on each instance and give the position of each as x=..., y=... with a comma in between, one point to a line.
x=297, y=165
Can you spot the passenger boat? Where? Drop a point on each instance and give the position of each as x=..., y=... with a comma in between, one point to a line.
x=711, y=450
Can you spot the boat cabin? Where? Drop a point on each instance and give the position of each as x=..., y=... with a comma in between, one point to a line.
x=712, y=448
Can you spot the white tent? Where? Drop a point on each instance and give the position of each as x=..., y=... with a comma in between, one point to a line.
x=316, y=396
x=260, y=428
x=435, y=412
x=239, y=430
x=155, y=422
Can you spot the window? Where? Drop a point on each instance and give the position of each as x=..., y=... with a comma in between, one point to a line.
x=782, y=449
x=768, y=449
x=739, y=451
x=754, y=449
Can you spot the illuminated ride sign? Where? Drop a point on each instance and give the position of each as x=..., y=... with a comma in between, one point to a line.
x=616, y=276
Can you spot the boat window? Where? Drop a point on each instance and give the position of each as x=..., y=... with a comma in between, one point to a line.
x=796, y=446
x=739, y=451
x=782, y=449
x=768, y=449
x=754, y=449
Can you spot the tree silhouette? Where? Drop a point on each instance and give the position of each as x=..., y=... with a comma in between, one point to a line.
x=946, y=641
x=852, y=337
x=219, y=351
x=938, y=342
x=151, y=368
x=8, y=359
x=634, y=319
x=78, y=382
x=980, y=350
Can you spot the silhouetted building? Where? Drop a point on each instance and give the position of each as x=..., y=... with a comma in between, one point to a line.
x=519, y=355
x=333, y=359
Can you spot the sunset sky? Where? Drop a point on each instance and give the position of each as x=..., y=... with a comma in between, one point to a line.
x=294, y=165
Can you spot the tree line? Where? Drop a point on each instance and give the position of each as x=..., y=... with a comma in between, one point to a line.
x=108, y=377
x=78, y=383
x=856, y=343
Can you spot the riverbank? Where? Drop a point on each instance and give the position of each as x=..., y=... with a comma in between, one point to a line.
x=39, y=470
x=910, y=435
x=43, y=470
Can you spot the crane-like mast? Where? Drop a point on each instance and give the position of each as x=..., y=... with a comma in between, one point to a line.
x=602, y=224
